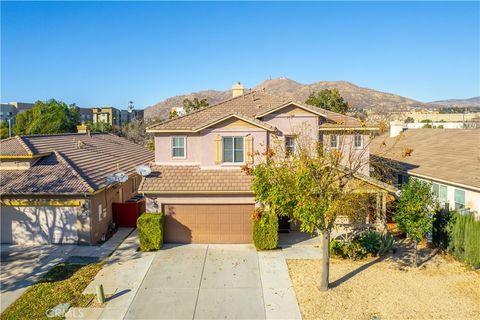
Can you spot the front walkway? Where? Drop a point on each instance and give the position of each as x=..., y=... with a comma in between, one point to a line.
x=196, y=282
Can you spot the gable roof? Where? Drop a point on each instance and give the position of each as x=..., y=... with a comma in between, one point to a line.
x=251, y=105
x=449, y=155
x=93, y=157
x=14, y=147
x=51, y=174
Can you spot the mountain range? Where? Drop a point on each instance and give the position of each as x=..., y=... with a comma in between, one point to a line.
x=358, y=97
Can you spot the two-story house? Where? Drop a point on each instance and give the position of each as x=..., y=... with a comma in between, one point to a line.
x=197, y=180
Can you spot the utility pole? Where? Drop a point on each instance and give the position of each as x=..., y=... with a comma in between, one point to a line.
x=9, y=127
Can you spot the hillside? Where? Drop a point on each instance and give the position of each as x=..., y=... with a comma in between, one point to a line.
x=358, y=97
x=472, y=102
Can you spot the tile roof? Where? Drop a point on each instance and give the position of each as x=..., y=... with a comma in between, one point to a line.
x=93, y=157
x=192, y=179
x=14, y=147
x=451, y=155
x=50, y=174
x=252, y=104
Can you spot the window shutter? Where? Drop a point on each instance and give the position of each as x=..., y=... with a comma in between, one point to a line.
x=218, y=149
x=249, y=149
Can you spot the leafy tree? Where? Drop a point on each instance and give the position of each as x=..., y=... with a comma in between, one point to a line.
x=100, y=127
x=329, y=99
x=195, y=104
x=4, y=129
x=47, y=117
x=414, y=211
x=310, y=187
x=409, y=120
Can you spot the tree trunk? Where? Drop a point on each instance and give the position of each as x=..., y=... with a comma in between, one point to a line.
x=325, y=260
x=415, y=255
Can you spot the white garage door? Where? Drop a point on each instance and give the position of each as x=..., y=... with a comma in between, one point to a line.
x=38, y=225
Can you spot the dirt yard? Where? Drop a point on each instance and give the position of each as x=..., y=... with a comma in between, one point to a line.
x=389, y=288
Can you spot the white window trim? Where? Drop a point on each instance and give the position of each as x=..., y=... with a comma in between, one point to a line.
x=337, y=144
x=134, y=185
x=361, y=141
x=233, y=163
x=184, y=147
x=464, y=198
x=293, y=146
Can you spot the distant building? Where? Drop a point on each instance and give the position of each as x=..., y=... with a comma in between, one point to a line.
x=86, y=114
x=114, y=116
x=11, y=109
x=130, y=115
x=108, y=115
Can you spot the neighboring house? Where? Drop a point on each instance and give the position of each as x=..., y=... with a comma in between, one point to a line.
x=448, y=159
x=53, y=187
x=197, y=180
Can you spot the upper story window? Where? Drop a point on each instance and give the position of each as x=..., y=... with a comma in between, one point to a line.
x=358, y=140
x=440, y=192
x=402, y=179
x=289, y=145
x=459, y=199
x=178, y=147
x=334, y=141
x=233, y=151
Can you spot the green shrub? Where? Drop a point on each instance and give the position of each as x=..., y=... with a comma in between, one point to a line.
x=348, y=249
x=440, y=237
x=371, y=242
x=387, y=245
x=150, y=231
x=265, y=231
x=464, y=233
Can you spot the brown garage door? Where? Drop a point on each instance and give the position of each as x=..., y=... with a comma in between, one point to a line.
x=201, y=223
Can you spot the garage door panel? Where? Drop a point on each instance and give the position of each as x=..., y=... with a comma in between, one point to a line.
x=219, y=223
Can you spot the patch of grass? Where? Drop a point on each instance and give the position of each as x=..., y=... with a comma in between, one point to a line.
x=63, y=283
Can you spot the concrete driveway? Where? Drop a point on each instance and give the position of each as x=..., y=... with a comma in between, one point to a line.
x=214, y=282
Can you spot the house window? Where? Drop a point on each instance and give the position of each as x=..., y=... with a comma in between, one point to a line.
x=134, y=184
x=440, y=192
x=402, y=179
x=459, y=199
x=358, y=140
x=334, y=140
x=178, y=147
x=289, y=145
x=233, y=149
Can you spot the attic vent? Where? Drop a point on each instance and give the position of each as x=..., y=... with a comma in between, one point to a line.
x=79, y=144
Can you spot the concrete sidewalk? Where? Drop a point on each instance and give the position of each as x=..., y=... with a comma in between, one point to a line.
x=121, y=277
x=22, y=266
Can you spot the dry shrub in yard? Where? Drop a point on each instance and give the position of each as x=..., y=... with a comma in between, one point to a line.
x=388, y=288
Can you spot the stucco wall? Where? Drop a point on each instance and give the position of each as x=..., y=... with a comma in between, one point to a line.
x=154, y=202
x=357, y=159
x=101, y=206
x=33, y=225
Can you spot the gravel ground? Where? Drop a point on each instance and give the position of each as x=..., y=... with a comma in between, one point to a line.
x=440, y=288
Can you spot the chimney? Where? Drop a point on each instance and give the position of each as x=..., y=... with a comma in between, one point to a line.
x=83, y=128
x=237, y=89
x=396, y=127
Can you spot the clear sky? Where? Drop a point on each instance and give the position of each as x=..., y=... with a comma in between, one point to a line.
x=107, y=53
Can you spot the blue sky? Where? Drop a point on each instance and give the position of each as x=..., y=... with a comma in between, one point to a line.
x=107, y=53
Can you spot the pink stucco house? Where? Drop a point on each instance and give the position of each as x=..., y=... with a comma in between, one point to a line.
x=196, y=178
